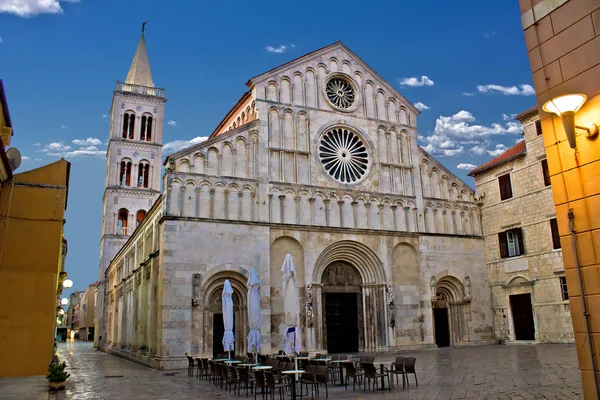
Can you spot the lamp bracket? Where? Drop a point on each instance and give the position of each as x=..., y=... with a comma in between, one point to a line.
x=592, y=129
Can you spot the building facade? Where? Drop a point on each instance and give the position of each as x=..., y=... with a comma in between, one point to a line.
x=563, y=42
x=32, y=209
x=527, y=280
x=73, y=315
x=87, y=305
x=319, y=159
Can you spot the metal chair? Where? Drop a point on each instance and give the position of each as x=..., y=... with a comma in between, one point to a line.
x=409, y=368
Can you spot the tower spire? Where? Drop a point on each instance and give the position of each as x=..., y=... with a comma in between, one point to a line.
x=139, y=71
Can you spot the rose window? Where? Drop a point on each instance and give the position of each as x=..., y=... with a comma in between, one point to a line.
x=343, y=155
x=340, y=92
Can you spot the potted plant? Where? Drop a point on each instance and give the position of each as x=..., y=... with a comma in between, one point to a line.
x=57, y=376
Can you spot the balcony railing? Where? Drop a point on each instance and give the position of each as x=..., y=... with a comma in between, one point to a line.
x=139, y=89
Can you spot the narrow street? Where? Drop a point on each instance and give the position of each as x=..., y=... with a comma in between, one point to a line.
x=490, y=372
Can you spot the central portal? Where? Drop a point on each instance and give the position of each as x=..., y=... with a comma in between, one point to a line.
x=342, y=308
x=341, y=315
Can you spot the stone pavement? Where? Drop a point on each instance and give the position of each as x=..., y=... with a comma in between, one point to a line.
x=488, y=372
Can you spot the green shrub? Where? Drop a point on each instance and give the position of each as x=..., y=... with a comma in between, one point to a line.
x=57, y=373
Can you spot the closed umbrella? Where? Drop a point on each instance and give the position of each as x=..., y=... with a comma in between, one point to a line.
x=292, y=342
x=227, y=317
x=254, y=313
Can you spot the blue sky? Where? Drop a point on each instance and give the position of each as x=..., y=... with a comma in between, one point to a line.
x=465, y=60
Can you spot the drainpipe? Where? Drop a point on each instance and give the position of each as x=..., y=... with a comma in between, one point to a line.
x=586, y=314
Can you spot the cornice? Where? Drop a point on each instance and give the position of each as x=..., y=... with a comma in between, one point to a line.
x=131, y=192
x=140, y=98
x=135, y=144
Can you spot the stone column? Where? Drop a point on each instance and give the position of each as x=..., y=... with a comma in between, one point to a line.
x=270, y=196
x=240, y=202
x=311, y=202
x=252, y=206
x=394, y=207
x=151, y=275
x=123, y=338
x=197, y=210
x=181, y=200
x=219, y=164
x=444, y=221
x=326, y=201
x=380, y=206
x=297, y=204
x=407, y=219
x=462, y=222
x=136, y=314
x=282, y=208
x=212, y=202
x=354, y=204
x=341, y=206
x=143, y=342
x=368, y=211
x=226, y=194
x=169, y=194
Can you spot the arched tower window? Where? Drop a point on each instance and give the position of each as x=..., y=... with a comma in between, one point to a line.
x=146, y=129
x=141, y=214
x=128, y=124
x=143, y=173
x=125, y=173
x=122, y=222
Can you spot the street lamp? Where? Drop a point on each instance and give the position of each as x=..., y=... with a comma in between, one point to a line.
x=67, y=283
x=64, y=301
x=61, y=312
x=566, y=107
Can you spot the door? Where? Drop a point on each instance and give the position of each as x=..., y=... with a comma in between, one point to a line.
x=341, y=316
x=522, y=313
x=442, y=327
x=218, y=332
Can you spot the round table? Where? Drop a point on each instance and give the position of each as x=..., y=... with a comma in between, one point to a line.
x=293, y=373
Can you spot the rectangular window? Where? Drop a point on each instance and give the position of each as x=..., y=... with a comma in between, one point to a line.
x=555, y=235
x=538, y=127
x=505, y=187
x=545, y=172
x=511, y=243
x=563, y=288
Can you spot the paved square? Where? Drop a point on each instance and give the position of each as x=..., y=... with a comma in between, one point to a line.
x=489, y=372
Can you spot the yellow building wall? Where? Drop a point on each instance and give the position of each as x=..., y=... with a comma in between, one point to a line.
x=32, y=208
x=563, y=42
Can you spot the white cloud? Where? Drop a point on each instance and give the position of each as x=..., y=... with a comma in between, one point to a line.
x=500, y=148
x=37, y=144
x=507, y=117
x=487, y=35
x=172, y=123
x=281, y=49
x=38, y=159
x=1, y=40
x=30, y=8
x=421, y=106
x=292, y=45
x=469, y=94
x=466, y=166
x=24, y=158
x=104, y=116
x=64, y=127
x=59, y=149
x=177, y=145
x=453, y=133
x=522, y=90
x=87, y=142
x=415, y=81
x=478, y=150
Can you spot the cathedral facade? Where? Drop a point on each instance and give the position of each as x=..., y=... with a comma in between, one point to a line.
x=318, y=159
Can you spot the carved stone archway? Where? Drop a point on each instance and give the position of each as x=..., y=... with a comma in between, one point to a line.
x=449, y=292
x=342, y=277
x=369, y=275
x=210, y=304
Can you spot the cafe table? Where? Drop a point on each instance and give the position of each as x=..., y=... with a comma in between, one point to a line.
x=232, y=362
x=340, y=366
x=262, y=367
x=294, y=373
x=381, y=365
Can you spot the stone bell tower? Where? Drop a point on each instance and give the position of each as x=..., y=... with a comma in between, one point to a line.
x=133, y=162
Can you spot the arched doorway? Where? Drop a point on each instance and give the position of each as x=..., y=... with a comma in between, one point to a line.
x=208, y=318
x=342, y=308
x=450, y=306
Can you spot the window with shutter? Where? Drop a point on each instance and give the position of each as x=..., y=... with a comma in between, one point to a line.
x=505, y=187
x=546, y=172
x=538, y=127
x=555, y=235
x=502, y=244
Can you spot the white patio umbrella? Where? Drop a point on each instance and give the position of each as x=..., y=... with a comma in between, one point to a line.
x=292, y=342
x=254, y=313
x=228, y=338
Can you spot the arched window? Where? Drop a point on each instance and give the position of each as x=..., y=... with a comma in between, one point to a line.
x=122, y=222
x=128, y=125
x=141, y=214
x=146, y=129
x=143, y=173
x=125, y=173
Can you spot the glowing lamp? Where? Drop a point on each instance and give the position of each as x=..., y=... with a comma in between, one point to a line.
x=61, y=312
x=566, y=107
x=64, y=301
x=67, y=283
